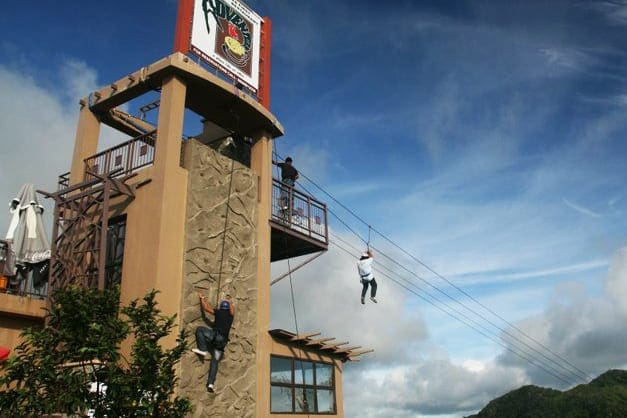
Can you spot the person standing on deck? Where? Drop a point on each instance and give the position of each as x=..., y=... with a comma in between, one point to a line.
x=289, y=175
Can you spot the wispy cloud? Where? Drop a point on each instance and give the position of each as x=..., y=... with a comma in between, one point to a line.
x=483, y=277
x=36, y=152
x=581, y=209
x=621, y=99
x=567, y=58
x=614, y=11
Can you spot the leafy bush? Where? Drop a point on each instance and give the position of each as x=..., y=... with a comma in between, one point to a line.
x=54, y=366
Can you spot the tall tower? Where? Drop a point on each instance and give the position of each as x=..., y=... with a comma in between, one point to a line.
x=188, y=204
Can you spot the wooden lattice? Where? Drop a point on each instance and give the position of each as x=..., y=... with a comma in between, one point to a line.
x=79, y=234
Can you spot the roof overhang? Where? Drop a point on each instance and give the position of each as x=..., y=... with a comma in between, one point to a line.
x=207, y=95
x=324, y=346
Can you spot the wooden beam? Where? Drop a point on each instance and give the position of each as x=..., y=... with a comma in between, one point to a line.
x=304, y=336
x=304, y=263
x=360, y=352
x=347, y=349
x=320, y=341
x=334, y=346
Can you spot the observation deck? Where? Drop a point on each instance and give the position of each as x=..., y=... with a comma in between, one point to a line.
x=300, y=231
x=299, y=223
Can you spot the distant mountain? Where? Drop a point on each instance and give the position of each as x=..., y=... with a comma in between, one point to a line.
x=604, y=397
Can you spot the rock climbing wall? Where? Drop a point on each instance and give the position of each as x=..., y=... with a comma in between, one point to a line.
x=208, y=244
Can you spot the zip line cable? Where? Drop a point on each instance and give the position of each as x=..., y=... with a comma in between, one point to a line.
x=503, y=330
x=580, y=374
x=583, y=373
x=477, y=326
x=540, y=365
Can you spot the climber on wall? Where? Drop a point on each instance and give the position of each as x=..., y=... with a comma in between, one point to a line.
x=214, y=338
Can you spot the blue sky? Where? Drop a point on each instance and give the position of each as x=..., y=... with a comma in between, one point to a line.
x=486, y=138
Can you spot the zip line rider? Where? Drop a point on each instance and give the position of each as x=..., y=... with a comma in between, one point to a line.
x=364, y=268
x=216, y=337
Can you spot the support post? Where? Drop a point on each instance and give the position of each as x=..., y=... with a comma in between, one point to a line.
x=183, y=29
x=261, y=164
x=264, y=67
x=85, y=143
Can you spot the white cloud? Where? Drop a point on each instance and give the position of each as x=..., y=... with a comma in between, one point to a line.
x=566, y=58
x=581, y=209
x=77, y=80
x=39, y=127
x=428, y=387
x=616, y=285
x=327, y=296
x=434, y=130
x=621, y=99
x=486, y=276
x=585, y=329
x=38, y=130
x=614, y=11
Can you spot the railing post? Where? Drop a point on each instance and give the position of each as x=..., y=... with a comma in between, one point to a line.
x=85, y=168
x=130, y=157
x=326, y=226
x=309, y=216
x=107, y=163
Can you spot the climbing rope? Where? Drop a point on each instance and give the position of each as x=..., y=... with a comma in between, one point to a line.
x=226, y=221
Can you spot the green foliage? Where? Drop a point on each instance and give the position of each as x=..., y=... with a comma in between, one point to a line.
x=53, y=366
x=605, y=396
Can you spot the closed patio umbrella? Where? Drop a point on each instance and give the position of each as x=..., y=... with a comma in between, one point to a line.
x=28, y=241
x=26, y=230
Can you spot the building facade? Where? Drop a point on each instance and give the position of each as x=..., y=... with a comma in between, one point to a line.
x=189, y=214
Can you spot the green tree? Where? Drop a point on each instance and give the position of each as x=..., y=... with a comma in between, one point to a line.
x=54, y=366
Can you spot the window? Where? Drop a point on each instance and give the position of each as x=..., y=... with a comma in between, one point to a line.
x=301, y=386
x=116, y=234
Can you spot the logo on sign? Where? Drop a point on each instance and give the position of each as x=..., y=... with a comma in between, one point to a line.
x=233, y=37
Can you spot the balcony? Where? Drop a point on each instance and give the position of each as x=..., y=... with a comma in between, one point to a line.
x=299, y=223
x=125, y=158
x=122, y=159
x=21, y=295
x=24, y=282
x=24, y=286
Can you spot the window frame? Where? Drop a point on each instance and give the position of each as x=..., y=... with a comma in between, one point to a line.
x=293, y=386
x=116, y=241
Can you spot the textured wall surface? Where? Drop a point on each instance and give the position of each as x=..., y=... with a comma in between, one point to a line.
x=208, y=244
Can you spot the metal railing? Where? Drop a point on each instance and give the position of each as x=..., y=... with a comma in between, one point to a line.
x=63, y=182
x=299, y=211
x=22, y=282
x=124, y=158
x=24, y=286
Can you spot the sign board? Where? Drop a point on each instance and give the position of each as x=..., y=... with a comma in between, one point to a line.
x=226, y=33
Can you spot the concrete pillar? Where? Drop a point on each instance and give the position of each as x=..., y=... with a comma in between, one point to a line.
x=156, y=219
x=170, y=126
x=261, y=164
x=85, y=143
